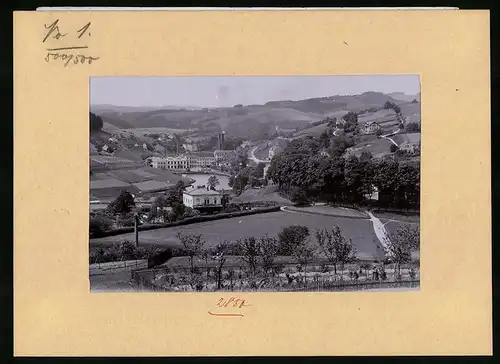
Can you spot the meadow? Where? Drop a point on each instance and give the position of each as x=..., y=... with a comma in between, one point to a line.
x=231, y=229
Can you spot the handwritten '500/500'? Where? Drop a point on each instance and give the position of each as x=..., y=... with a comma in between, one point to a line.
x=74, y=58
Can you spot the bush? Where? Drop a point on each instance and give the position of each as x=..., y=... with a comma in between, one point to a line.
x=393, y=148
x=299, y=196
x=125, y=220
x=413, y=128
x=99, y=224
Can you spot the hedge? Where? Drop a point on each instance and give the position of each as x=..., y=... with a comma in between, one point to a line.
x=189, y=220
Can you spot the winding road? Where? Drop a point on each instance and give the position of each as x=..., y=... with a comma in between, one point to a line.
x=252, y=157
x=390, y=139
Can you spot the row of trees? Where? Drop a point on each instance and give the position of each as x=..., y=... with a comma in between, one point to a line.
x=295, y=241
x=96, y=122
x=389, y=105
x=302, y=170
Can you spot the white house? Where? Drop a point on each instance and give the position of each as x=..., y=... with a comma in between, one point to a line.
x=407, y=147
x=371, y=127
x=202, y=197
x=190, y=147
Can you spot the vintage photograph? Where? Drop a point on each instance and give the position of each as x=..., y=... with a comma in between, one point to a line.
x=254, y=183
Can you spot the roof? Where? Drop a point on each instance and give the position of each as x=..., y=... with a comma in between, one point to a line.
x=202, y=154
x=225, y=152
x=202, y=192
x=368, y=123
x=152, y=185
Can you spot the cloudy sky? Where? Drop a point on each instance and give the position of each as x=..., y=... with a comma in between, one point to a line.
x=205, y=91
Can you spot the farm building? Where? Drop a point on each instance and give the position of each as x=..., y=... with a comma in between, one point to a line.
x=371, y=127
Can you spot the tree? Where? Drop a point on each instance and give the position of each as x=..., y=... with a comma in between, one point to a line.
x=99, y=223
x=213, y=182
x=96, y=123
x=259, y=170
x=178, y=210
x=299, y=196
x=291, y=237
x=123, y=204
x=393, y=148
x=401, y=244
x=193, y=244
x=220, y=256
x=389, y=105
x=268, y=251
x=351, y=117
x=324, y=139
x=159, y=208
x=250, y=251
x=336, y=248
x=396, y=109
x=413, y=128
x=304, y=254
x=365, y=156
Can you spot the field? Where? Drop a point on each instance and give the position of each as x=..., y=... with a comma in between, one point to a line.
x=411, y=137
x=329, y=210
x=313, y=131
x=359, y=230
x=377, y=147
x=377, y=115
x=263, y=153
x=112, y=175
x=261, y=194
x=140, y=132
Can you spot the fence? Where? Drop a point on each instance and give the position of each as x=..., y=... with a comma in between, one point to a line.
x=100, y=268
x=377, y=278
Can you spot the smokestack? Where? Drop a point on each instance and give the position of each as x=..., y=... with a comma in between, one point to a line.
x=221, y=140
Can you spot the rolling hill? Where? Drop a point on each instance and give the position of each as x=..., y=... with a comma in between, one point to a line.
x=251, y=121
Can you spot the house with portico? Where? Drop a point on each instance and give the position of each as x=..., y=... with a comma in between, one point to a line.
x=202, y=198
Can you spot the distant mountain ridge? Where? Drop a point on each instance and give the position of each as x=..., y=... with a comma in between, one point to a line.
x=244, y=121
x=401, y=96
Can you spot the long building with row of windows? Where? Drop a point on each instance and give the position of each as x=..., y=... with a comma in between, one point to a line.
x=192, y=160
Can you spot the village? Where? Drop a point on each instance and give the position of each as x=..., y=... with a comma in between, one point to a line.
x=166, y=206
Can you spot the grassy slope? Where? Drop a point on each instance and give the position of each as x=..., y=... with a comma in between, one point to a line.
x=232, y=229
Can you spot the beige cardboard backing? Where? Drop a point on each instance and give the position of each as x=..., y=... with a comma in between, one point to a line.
x=56, y=315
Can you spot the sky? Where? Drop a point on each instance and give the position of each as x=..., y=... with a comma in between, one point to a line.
x=222, y=91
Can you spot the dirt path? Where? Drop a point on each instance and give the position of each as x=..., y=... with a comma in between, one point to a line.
x=390, y=139
x=251, y=156
x=379, y=229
